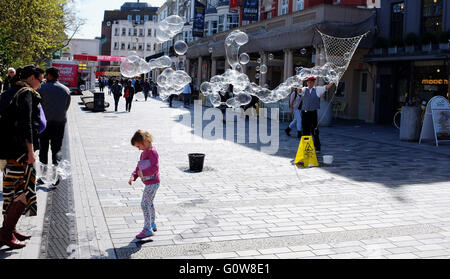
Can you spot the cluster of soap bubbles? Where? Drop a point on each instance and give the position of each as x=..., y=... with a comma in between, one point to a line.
x=49, y=174
x=243, y=89
x=172, y=82
x=133, y=65
x=168, y=28
x=169, y=81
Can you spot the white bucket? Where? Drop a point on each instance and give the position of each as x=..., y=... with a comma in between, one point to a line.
x=328, y=159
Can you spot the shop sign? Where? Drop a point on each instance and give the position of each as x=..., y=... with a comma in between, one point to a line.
x=435, y=81
x=199, y=19
x=250, y=10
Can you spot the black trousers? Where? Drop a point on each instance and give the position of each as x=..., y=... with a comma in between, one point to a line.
x=171, y=99
x=310, y=127
x=116, y=102
x=53, y=135
x=128, y=102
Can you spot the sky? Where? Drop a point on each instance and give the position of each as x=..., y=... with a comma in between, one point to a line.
x=93, y=10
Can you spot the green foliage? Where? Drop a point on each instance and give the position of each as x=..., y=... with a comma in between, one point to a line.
x=30, y=31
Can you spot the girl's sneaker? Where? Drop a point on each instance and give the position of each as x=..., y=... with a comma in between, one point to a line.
x=154, y=227
x=144, y=233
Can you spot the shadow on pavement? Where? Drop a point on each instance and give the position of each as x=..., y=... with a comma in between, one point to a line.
x=362, y=152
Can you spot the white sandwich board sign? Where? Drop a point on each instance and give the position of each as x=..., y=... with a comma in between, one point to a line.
x=436, y=124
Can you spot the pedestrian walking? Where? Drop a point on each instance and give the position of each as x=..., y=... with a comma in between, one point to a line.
x=310, y=104
x=295, y=102
x=101, y=83
x=20, y=126
x=55, y=103
x=116, y=90
x=187, y=95
x=146, y=88
x=148, y=170
x=110, y=84
x=128, y=95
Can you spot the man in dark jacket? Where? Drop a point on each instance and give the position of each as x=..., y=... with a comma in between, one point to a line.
x=55, y=102
x=128, y=94
x=116, y=90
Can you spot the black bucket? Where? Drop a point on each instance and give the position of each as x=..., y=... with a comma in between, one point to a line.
x=196, y=161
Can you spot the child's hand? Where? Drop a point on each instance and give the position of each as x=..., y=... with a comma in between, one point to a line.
x=140, y=174
x=130, y=181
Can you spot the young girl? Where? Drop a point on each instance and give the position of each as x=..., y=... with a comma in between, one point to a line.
x=148, y=170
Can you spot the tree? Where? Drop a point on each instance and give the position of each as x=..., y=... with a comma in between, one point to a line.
x=32, y=30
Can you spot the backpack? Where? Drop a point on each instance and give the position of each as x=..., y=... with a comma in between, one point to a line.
x=295, y=97
x=7, y=98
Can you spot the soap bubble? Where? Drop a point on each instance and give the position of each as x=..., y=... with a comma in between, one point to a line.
x=257, y=76
x=169, y=27
x=82, y=87
x=244, y=58
x=180, y=47
x=270, y=56
x=257, y=68
x=263, y=69
x=259, y=60
x=210, y=50
x=303, y=51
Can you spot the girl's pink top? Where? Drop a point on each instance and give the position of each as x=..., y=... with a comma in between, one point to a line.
x=151, y=172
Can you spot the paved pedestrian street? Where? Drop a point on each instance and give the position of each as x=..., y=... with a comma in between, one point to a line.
x=381, y=198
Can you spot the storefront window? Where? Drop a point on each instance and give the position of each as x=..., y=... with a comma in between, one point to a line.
x=432, y=16
x=431, y=79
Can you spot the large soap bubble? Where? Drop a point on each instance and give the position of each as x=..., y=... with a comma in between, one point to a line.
x=180, y=47
x=244, y=58
x=169, y=27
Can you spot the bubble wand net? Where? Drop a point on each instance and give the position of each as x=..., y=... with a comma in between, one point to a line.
x=339, y=53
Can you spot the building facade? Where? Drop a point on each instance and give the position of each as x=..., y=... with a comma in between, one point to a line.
x=132, y=28
x=410, y=57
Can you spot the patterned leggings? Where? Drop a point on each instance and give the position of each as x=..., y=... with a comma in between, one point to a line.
x=147, y=204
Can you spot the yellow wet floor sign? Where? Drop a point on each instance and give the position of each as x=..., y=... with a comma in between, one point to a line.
x=306, y=153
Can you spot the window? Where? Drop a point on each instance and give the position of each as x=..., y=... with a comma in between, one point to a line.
x=138, y=18
x=149, y=32
x=214, y=27
x=140, y=46
x=130, y=17
x=141, y=32
x=124, y=31
x=221, y=23
x=154, y=47
x=300, y=5
x=116, y=45
x=149, y=47
x=284, y=7
x=432, y=16
x=122, y=46
x=116, y=31
x=134, y=31
x=133, y=46
x=130, y=31
x=155, y=18
x=146, y=18
x=129, y=45
x=397, y=15
x=232, y=21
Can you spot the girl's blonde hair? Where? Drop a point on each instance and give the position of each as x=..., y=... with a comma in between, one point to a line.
x=140, y=136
